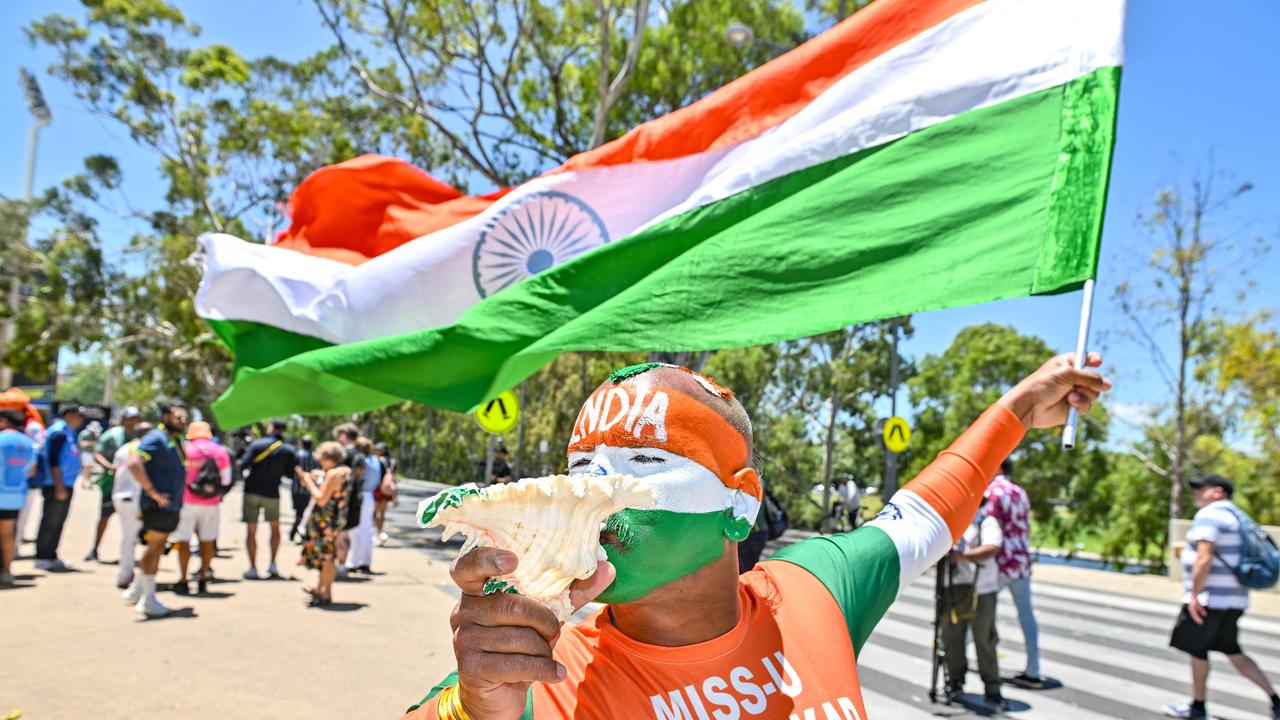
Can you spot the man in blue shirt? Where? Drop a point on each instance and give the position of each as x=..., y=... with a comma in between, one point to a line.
x=159, y=463
x=61, y=455
x=17, y=463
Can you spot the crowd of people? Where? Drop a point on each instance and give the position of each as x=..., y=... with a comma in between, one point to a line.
x=994, y=554
x=166, y=478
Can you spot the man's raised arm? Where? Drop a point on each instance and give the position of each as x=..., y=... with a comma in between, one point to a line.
x=867, y=569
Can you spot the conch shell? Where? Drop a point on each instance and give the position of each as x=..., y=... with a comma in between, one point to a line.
x=552, y=524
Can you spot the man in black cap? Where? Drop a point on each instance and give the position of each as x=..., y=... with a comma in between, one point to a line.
x=267, y=462
x=1213, y=599
x=104, y=452
x=61, y=455
x=501, y=470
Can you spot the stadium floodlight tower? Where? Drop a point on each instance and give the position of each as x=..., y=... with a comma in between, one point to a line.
x=41, y=116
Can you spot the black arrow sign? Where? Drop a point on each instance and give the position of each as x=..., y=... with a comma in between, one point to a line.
x=896, y=430
x=502, y=407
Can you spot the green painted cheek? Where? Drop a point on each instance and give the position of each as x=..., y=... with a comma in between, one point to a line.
x=662, y=546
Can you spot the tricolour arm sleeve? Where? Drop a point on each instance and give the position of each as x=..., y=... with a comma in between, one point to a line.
x=865, y=570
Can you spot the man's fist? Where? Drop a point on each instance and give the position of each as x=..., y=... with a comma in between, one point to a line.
x=503, y=642
x=1044, y=397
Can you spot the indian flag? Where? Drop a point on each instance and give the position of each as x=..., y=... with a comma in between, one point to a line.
x=921, y=154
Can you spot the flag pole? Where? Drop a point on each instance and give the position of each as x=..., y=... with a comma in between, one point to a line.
x=1086, y=313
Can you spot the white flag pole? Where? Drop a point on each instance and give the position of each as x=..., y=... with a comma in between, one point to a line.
x=1086, y=312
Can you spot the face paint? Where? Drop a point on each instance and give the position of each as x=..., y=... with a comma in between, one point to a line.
x=693, y=458
x=655, y=547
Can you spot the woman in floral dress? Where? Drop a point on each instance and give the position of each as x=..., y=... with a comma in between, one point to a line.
x=328, y=487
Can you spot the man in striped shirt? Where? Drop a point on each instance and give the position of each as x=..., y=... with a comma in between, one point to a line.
x=1213, y=599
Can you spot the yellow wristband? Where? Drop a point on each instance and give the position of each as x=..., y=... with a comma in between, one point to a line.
x=449, y=705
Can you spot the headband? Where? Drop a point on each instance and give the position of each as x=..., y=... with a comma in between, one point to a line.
x=638, y=416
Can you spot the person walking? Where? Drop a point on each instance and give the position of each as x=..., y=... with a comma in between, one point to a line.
x=501, y=471
x=363, y=537
x=159, y=464
x=17, y=465
x=61, y=455
x=267, y=461
x=208, y=477
x=33, y=427
x=971, y=599
x=126, y=493
x=328, y=488
x=346, y=435
x=1007, y=502
x=1213, y=600
x=301, y=498
x=104, y=452
x=388, y=491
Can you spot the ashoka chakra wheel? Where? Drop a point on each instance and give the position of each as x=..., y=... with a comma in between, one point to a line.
x=535, y=233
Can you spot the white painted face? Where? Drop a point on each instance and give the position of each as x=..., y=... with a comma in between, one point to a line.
x=680, y=484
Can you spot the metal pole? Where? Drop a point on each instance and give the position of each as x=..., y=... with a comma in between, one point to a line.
x=12, y=297
x=488, y=461
x=890, y=457
x=515, y=466
x=1086, y=313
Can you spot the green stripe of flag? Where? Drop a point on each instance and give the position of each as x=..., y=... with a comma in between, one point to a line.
x=1005, y=201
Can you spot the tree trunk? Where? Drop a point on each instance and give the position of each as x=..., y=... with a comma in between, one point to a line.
x=829, y=449
x=1185, y=262
x=431, y=435
x=404, y=430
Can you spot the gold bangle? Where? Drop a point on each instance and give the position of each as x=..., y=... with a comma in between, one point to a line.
x=449, y=705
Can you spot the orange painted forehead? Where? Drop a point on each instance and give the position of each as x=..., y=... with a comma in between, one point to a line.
x=642, y=412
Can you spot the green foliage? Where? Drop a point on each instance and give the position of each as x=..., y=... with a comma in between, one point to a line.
x=1136, y=511
x=953, y=388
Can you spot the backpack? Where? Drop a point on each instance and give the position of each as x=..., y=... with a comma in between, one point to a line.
x=775, y=516
x=1259, y=566
x=208, y=482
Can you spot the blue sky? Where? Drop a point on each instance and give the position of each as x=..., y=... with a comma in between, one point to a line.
x=1199, y=78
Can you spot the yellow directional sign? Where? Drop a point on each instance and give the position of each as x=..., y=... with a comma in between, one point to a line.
x=499, y=414
x=897, y=434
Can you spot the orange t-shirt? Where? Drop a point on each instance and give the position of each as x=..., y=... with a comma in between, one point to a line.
x=765, y=667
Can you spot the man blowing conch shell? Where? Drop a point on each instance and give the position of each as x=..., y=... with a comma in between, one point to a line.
x=682, y=634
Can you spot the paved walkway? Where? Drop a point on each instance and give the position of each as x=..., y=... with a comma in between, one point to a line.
x=252, y=650
x=70, y=647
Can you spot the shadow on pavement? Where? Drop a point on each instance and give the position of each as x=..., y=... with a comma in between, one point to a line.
x=974, y=703
x=20, y=582
x=174, y=613
x=1050, y=683
x=349, y=578
x=342, y=606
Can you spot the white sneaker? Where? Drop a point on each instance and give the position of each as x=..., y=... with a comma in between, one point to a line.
x=132, y=595
x=382, y=537
x=150, y=607
x=252, y=574
x=273, y=571
x=1183, y=710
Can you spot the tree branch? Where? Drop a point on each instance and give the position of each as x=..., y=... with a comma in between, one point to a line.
x=358, y=68
x=610, y=91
